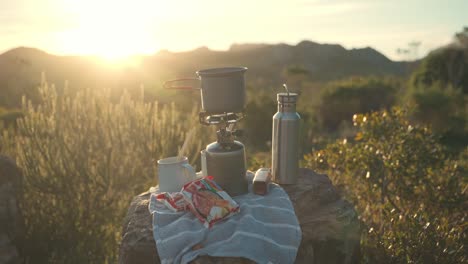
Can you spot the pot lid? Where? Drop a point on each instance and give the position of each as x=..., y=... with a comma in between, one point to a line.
x=214, y=72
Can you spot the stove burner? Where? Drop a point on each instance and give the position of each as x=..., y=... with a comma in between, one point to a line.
x=217, y=119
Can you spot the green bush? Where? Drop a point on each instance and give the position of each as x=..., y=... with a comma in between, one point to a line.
x=8, y=117
x=258, y=121
x=339, y=100
x=442, y=108
x=447, y=66
x=83, y=158
x=438, y=92
x=411, y=197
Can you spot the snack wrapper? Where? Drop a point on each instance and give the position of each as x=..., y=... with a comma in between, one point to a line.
x=173, y=201
x=204, y=198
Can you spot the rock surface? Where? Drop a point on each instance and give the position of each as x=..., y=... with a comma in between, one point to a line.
x=330, y=226
x=11, y=221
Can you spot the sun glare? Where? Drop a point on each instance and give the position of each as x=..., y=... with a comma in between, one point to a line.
x=113, y=30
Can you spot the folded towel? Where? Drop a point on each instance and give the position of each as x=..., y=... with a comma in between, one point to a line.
x=266, y=230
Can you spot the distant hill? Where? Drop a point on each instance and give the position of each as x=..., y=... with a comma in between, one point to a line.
x=21, y=68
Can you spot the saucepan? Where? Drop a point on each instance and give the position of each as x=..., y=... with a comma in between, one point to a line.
x=222, y=89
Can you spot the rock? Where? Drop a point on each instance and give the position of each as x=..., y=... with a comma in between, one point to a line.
x=138, y=245
x=11, y=221
x=330, y=226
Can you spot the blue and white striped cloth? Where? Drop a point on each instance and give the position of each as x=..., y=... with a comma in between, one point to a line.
x=266, y=230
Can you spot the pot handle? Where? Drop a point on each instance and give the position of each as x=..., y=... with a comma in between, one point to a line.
x=168, y=84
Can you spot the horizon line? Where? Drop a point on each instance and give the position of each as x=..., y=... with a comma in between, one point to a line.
x=156, y=52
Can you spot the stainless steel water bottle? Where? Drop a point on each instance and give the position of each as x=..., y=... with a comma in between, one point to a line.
x=285, y=140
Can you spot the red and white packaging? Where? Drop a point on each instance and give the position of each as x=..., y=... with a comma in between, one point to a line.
x=204, y=198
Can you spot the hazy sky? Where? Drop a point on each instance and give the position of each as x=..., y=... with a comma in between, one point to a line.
x=117, y=27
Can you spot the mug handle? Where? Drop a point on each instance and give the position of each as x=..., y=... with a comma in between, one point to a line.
x=190, y=173
x=167, y=84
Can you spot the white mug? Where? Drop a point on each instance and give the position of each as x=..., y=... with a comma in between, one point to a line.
x=174, y=173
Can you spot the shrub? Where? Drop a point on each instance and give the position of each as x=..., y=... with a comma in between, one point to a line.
x=8, y=117
x=258, y=121
x=444, y=110
x=357, y=95
x=83, y=158
x=438, y=91
x=410, y=195
x=447, y=65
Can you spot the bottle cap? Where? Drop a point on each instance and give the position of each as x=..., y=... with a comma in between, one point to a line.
x=287, y=98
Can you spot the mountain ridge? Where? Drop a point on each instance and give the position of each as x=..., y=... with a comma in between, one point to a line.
x=234, y=47
x=21, y=68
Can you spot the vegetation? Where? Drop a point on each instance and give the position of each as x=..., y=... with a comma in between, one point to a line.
x=396, y=147
x=447, y=66
x=8, y=117
x=83, y=158
x=443, y=108
x=438, y=92
x=410, y=195
x=341, y=99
